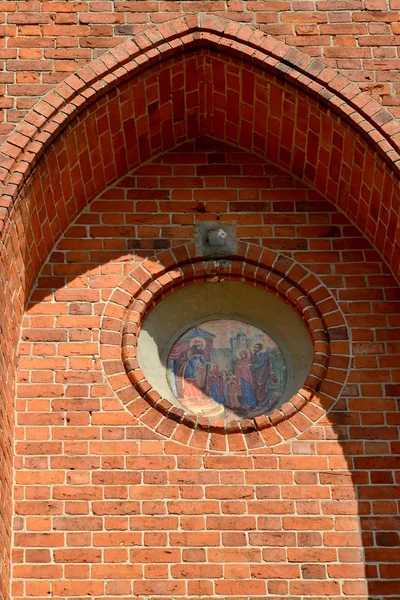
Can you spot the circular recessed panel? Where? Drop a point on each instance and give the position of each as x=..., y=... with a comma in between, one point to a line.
x=226, y=368
x=225, y=310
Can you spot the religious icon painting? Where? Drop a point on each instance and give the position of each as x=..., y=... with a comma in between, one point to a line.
x=227, y=368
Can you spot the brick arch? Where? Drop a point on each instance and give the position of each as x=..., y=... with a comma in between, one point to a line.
x=329, y=133
x=310, y=120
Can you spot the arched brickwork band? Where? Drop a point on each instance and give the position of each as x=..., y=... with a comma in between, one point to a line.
x=156, y=278
x=347, y=173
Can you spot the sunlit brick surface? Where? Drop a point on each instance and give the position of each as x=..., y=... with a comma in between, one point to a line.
x=195, y=75
x=45, y=41
x=105, y=505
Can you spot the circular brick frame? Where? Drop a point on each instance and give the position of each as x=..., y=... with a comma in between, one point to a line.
x=155, y=278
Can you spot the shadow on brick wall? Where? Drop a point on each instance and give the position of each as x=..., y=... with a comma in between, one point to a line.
x=105, y=505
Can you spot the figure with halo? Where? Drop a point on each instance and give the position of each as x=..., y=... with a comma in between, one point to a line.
x=244, y=379
x=193, y=367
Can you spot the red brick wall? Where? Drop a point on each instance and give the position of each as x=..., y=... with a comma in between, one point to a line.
x=114, y=135
x=45, y=41
x=104, y=505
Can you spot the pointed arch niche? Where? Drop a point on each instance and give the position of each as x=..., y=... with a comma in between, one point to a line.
x=194, y=76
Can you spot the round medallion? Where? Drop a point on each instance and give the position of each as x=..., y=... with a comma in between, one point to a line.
x=227, y=368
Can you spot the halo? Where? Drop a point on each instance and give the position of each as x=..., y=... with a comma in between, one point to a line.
x=240, y=350
x=259, y=344
x=199, y=342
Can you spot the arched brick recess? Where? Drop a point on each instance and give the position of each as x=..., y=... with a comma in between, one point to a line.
x=351, y=147
x=77, y=443
x=156, y=278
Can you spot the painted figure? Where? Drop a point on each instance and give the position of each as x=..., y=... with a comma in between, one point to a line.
x=233, y=400
x=225, y=386
x=191, y=370
x=262, y=374
x=244, y=379
x=216, y=384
